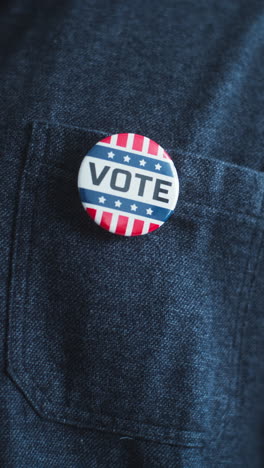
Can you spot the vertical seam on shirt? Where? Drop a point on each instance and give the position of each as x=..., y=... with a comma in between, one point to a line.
x=235, y=358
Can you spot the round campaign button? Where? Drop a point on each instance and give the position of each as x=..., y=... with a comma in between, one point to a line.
x=128, y=184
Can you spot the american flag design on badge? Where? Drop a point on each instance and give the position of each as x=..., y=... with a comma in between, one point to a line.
x=128, y=184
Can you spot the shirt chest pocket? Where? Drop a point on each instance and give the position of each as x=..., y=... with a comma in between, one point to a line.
x=128, y=335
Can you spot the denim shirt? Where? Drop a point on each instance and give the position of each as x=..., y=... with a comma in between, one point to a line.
x=118, y=351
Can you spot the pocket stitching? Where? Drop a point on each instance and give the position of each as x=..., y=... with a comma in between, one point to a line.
x=28, y=269
x=40, y=400
x=235, y=354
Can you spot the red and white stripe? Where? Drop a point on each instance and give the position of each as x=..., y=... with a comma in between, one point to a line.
x=121, y=223
x=137, y=144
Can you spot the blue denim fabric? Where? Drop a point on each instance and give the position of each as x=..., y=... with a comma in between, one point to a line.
x=146, y=351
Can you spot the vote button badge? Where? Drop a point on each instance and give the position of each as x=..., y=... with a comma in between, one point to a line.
x=128, y=184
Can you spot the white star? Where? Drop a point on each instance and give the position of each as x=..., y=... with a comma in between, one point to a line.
x=149, y=211
x=158, y=166
x=102, y=199
x=133, y=207
x=118, y=203
x=127, y=158
x=111, y=154
x=142, y=162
